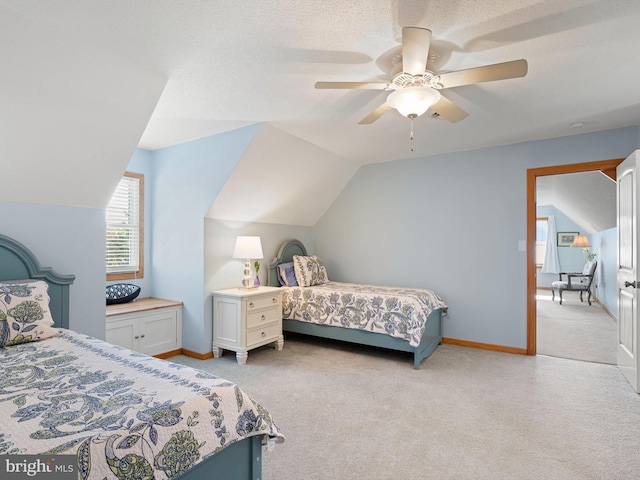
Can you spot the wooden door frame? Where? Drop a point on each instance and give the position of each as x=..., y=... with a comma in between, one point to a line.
x=607, y=167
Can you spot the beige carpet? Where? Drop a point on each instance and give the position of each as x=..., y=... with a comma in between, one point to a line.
x=354, y=413
x=575, y=330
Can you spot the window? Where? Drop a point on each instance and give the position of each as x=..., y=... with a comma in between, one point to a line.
x=541, y=240
x=125, y=222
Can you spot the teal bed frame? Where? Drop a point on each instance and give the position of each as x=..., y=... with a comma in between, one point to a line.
x=431, y=338
x=241, y=460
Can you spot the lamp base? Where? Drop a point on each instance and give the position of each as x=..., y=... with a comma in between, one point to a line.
x=247, y=281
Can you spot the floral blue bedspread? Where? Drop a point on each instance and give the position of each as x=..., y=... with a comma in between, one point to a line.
x=399, y=312
x=125, y=415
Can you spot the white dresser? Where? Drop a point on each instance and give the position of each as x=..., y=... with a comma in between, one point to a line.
x=148, y=325
x=246, y=319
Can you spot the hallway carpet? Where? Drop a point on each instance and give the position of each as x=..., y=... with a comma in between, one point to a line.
x=575, y=330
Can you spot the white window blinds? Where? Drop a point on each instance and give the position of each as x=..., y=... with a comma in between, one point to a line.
x=123, y=227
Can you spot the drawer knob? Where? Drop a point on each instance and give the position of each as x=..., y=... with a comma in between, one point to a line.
x=263, y=317
x=137, y=337
x=264, y=334
x=251, y=304
x=141, y=336
x=274, y=300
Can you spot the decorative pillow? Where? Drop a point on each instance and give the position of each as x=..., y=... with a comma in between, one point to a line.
x=309, y=270
x=287, y=275
x=24, y=312
x=121, y=293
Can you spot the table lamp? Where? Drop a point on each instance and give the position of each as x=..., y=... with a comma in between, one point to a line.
x=582, y=241
x=247, y=248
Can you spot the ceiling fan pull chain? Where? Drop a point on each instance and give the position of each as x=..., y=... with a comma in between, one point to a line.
x=411, y=135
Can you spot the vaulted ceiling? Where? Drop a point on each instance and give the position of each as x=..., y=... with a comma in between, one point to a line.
x=232, y=63
x=85, y=81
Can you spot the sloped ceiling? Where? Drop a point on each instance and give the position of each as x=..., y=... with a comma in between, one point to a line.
x=588, y=198
x=232, y=63
x=70, y=119
x=281, y=179
x=85, y=81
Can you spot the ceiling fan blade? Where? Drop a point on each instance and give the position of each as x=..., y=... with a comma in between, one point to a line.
x=487, y=73
x=447, y=109
x=357, y=85
x=415, y=49
x=376, y=114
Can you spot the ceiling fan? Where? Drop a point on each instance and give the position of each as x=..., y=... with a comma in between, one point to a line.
x=414, y=90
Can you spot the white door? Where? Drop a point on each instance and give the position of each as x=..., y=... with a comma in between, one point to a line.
x=627, y=278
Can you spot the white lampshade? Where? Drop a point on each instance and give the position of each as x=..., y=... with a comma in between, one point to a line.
x=413, y=101
x=581, y=241
x=247, y=247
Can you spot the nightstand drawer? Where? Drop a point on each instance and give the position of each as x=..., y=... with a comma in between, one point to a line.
x=263, y=318
x=269, y=332
x=262, y=302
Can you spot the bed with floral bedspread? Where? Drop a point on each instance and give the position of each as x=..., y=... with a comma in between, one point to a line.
x=398, y=312
x=124, y=414
x=403, y=319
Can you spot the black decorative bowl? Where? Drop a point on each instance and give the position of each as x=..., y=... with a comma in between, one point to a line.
x=121, y=293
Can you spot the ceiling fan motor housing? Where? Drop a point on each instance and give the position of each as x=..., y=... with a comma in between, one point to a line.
x=427, y=79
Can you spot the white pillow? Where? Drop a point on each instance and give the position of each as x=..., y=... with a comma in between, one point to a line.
x=24, y=312
x=309, y=270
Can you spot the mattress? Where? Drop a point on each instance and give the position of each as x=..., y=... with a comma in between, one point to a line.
x=398, y=312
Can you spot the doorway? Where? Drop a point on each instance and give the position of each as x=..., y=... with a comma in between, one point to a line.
x=608, y=167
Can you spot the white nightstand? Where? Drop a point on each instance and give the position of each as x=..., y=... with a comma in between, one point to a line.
x=246, y=319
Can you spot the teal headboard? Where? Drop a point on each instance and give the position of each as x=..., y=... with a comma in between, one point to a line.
x=288, y=249
x=17, y=262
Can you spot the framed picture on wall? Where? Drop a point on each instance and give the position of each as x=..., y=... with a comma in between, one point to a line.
x=565, y=239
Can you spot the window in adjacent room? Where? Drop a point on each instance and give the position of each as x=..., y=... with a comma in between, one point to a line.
x=125, y=222
x=541, y=240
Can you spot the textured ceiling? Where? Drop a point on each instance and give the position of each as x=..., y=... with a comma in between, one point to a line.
x=231, y=63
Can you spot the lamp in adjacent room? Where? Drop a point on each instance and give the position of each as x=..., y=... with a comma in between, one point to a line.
x=247, y=248
x=581, y=241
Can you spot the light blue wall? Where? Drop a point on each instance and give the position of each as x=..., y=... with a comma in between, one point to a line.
x=421, y=222
x=71, y=240
x=452, y=223
x=180, y=185
x=186, y=178
x=605, y=245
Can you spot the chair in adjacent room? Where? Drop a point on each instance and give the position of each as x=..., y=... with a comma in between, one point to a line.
x=575, y=282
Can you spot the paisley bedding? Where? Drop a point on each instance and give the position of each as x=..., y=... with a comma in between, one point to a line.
x=124, y=414
x=399, y=312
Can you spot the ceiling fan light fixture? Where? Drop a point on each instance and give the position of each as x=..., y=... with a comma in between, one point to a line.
x=413, y=101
